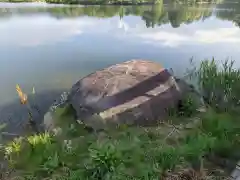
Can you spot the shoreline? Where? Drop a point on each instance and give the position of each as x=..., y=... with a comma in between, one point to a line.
x=15, y=116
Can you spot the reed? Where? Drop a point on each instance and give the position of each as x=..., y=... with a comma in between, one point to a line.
x=24, y=101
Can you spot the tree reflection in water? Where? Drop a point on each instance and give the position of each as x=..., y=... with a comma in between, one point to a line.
x=165, y=12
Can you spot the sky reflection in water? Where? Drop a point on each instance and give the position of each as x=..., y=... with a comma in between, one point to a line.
x=52, y=47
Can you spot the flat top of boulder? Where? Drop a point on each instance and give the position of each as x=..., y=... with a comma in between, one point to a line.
x=118, y=77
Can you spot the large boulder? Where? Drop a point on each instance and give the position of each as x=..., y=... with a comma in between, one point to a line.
x=134, y=92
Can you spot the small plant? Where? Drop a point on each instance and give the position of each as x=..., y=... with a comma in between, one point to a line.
x=44, y=138
x=104, y=159
x=75, y=175
x=219, y=125
x=187, y=106
x=14, y=146
x=24, y=101
x=167, y=158
x=51, y=163
x=72, y=130
x=13, y=150
x=195, y=146
x=225, y=129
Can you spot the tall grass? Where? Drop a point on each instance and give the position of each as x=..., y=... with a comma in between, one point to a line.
x=219, y=84
x=24, y=101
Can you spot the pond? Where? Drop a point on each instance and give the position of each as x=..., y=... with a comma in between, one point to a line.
x=49, y=47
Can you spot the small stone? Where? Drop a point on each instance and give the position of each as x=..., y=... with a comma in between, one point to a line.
x=236, y=172
x=79, y=122
x=57, y=131
x=238, y=165
x=202, y=109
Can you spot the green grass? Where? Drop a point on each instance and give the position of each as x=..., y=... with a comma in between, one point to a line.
x=136, y=153
x=124, y=155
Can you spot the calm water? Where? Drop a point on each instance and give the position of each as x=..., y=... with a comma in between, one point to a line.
x=50, y=47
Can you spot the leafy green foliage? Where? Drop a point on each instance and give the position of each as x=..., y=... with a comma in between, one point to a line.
x=188, y=106
x=104, y=159
x=195, y=146
x=168, y=158
x=225, y=128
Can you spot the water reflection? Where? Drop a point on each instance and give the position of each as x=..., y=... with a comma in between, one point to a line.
x=152, y=15
x=152, y=24
x=229, y=10
x=51, y=47
x=156, y=15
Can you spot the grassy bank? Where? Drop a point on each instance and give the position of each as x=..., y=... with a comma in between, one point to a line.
x=187, y=146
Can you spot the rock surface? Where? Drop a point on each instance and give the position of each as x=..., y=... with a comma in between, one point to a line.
x=134, y=92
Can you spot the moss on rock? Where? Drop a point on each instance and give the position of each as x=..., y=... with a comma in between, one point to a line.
x=62, y=122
